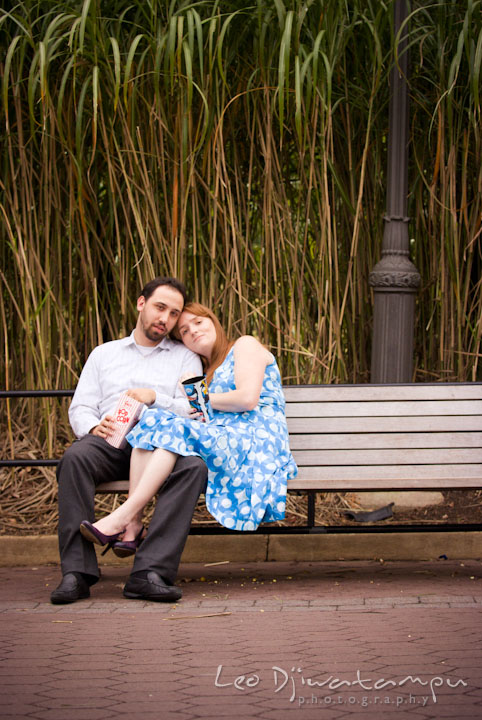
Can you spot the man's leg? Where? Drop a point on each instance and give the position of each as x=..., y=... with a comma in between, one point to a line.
x=85, y=464
x=169, y=527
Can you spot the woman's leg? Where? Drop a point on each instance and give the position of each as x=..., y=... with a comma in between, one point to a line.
x=140, y=459
x=149, y=474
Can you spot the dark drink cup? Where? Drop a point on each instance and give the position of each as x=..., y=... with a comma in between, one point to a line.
x=197, y=393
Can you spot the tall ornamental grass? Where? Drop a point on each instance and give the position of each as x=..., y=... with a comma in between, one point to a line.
x=242, y=148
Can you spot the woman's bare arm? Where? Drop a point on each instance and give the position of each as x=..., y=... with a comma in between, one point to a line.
x=250, y=361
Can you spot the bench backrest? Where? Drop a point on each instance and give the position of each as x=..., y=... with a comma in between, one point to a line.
x=386, y=436
x=366, y=437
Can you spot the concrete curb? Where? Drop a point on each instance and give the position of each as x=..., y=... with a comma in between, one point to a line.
x=42, y=549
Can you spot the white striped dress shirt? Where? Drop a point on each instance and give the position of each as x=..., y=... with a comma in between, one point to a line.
x=118, y=365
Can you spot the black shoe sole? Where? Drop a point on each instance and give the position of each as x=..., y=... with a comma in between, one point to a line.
x=153, y=598
x=67, y=600
x=123, y=553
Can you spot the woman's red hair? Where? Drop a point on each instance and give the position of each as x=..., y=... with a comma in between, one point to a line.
x=222, y=344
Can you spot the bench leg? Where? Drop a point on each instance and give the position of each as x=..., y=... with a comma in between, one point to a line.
x=311, y=502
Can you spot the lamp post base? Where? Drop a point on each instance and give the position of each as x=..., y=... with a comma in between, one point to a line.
x=395, y=281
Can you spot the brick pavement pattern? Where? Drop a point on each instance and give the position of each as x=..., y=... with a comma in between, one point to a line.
x=330, y=640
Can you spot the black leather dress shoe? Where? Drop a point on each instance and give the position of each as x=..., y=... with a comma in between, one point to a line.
x=70, y=589
x=152, y=588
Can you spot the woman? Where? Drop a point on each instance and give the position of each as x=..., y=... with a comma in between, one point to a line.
x=245, y=446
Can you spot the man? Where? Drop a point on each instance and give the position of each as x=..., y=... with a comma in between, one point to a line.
x=150, y=360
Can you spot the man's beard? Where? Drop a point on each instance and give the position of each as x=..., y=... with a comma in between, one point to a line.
x=154, y=335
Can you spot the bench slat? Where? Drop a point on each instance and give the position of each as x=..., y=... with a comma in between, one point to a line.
x=413, y=475
x=354, y=481
x=404, y=483
x=352, y=441
x=380, y=409
x=409, y=456
x=369, y=393
x=384, y=424
x=114, y=486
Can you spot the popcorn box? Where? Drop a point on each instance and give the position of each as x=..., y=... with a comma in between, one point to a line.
x=125, y=416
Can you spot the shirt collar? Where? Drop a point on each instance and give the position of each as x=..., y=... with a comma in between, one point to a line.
x=165, y=344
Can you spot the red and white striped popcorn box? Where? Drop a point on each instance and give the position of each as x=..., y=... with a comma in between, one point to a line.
x=125, y=416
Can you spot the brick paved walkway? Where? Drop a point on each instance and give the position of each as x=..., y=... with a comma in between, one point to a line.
x=331, y=640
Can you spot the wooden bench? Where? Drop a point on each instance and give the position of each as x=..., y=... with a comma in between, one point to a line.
x=373, y=437
x=367, y=437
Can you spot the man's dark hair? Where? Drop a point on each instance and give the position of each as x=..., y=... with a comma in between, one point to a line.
x=152, y=285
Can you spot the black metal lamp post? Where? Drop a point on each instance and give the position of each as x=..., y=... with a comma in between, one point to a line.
x=395, y=278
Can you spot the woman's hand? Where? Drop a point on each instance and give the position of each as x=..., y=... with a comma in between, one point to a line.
x=196, y=415
x=143, y=395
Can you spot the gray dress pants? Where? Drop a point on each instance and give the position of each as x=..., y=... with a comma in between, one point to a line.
x=90, y=461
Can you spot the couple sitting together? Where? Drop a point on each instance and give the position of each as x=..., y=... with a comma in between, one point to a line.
x=240, y=459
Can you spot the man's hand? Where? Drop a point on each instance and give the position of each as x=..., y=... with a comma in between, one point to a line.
x=105, y=428
x=143, y=395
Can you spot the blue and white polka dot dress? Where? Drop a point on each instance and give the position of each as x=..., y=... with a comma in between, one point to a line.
x=247, y=454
